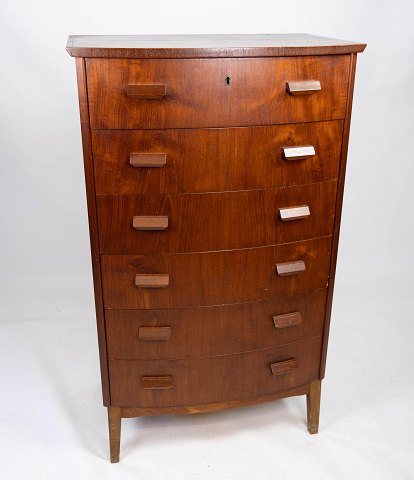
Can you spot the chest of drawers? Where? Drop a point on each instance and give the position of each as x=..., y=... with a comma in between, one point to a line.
x=214, y=169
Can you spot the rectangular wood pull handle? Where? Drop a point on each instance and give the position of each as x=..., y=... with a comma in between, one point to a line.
x=290, y=268
x=298, y=153
x=146, y=92
x=305, y=87
x=152, y=280
x=152, y=382
x=154, y=333
x=159, y=222
x=294, y=213
x=285, y=366
x=287, y=320
x=147, y=159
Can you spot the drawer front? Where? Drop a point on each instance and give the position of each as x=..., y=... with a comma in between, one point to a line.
x=164, y=383
x=209, y=331
x=193, y=93
x=214, y=278
x=215, y=221
x=213, y=160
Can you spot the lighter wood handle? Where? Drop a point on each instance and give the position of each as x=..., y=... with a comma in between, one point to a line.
x=285, y=366
x=154, y=333
x=159, y=222
x=156, y=382
x=146, y=92
x=298, y=153
x=147, y=159
x=287, y=320
x=294, y=213
x=152, y=280
x=290, y=268
x=305, y=87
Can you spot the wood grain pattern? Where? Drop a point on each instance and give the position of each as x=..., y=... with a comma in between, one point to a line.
x=338, y=213
x=114, y=424
x=130, y=412
x=209, y=331
x=145, y=160
x=156, y=382
x=306, y=87
x=211, y=45
x=284, y=366
x=148, y=334
x=147, y=92
x=286, y=269
x=215, y=221
x=313, y=401
x=251, y=99
x=152, y=280
x=287, y=320
x=93, y=227
x=218, y=159
x=150, y=222
x=213, y=379
x=214, y=278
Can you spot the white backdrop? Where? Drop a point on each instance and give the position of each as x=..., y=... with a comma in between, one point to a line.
x=48, y=353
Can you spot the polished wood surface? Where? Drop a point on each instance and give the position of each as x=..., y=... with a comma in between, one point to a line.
x=211, y=45
x=250, y=99
x=219, y=221
x=215, y=170
x=209, y=331
x=130, y=412
x=214, y=278
x=93, y=226
x=214, y=160
x=213, y=379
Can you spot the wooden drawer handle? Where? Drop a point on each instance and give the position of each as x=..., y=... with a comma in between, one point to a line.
x=287, y=320
x=152, y=280
x=303, y=88
x=285, y=366
x=146, y=92
x=159, y=222
x=290, y=268
x=298, y=153
x=154, y=333
x=294, y=213
x=147, y=159
x=156, y=382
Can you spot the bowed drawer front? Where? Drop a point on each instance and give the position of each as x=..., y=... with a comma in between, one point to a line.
x=214, y=172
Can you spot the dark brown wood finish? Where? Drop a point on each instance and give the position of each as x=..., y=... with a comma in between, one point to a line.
x=213, y=379
x=209, y=331
x=93, y=226
x=250, y=99
x=214, y=278
x=214, y=160
x=338, y=213
x=204, y=46
x=216, y=221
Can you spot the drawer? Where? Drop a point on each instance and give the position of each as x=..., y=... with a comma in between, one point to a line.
x=193, y=93
x=209, y=331
x=215, y=159
x=164, y=383
x=214, y=278
x=216, y=221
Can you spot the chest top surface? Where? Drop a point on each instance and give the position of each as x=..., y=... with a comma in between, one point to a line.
x=204, y=46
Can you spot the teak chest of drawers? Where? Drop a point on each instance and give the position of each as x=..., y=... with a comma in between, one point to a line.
x=215, y=169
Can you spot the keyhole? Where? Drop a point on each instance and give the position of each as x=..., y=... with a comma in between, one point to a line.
x=227, y=81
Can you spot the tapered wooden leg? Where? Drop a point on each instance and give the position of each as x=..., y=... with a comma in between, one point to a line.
x=114, y=424
x=313, y=402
